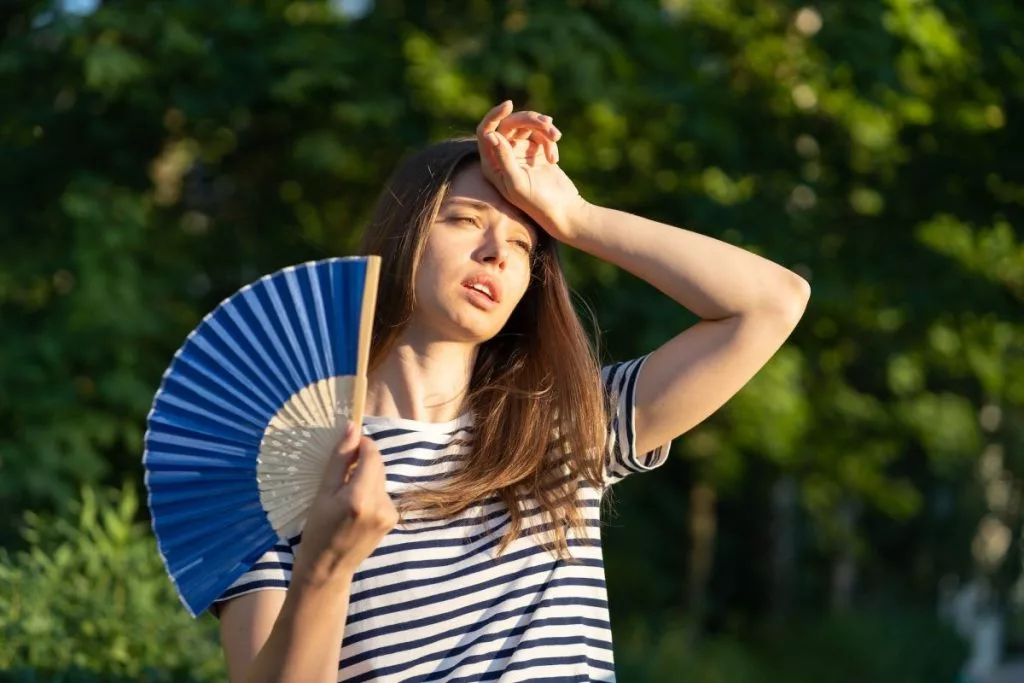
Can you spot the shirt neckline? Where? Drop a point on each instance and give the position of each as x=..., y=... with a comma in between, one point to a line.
x=377, y=423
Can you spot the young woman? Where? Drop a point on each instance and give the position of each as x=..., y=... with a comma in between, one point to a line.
x=493, y=430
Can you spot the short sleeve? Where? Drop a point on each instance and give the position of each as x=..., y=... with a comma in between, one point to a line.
x=273, y=571
x=621, y=458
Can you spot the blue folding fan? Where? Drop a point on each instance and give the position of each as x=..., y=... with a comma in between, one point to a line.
x=247, y=414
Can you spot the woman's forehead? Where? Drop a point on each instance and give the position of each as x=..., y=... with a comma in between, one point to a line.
x=470, y=188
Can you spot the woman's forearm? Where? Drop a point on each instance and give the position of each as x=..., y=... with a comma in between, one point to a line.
x=305, y=643
x=711, y=278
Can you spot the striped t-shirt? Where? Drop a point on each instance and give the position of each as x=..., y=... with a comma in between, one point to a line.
x=433, y=603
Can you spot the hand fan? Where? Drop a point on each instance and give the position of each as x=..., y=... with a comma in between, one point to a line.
x=247, y=414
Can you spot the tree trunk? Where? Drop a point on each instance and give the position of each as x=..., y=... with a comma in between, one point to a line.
x=783, y=546
x=844, y=566
x=703, y=528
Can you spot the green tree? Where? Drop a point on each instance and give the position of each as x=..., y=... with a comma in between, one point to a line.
x=158, y=156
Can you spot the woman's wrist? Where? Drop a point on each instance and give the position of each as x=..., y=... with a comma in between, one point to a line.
x=569, y=222
x=324, y=574
x=578, y=222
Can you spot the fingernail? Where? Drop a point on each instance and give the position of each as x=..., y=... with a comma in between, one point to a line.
x=545, y=119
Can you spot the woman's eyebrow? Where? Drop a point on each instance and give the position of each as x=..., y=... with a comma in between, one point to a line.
x=482, y=206
x=465, y=201
x=528, y=233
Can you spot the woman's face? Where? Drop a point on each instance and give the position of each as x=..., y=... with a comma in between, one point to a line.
x=475, y=265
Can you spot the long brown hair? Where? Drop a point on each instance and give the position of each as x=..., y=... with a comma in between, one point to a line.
x=535, y=394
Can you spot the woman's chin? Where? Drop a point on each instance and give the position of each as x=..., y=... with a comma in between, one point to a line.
x=459, y=328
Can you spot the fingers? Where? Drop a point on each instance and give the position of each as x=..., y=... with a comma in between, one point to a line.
x=367, y=496
x=538, y=147
x=341, y=460
x=517, y=125
x=549, y=146
x=531, y=121
x=491, y=119
x=369, y=468
x=367, y=458
x=533, y=142
x=502, y=138
x=502, y=161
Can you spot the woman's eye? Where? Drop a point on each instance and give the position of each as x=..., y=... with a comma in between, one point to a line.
x=524, y=245
x=465, y=219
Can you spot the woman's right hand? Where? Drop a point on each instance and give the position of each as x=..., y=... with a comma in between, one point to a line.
x=349, y=516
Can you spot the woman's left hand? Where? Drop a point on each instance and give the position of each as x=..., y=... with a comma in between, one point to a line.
x=519, y=154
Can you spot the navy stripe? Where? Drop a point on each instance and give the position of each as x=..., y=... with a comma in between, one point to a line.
x=550, y=641
x=392, y=629
x=401, y=431
x=561, y=483
x=621, y=388
x=631, y=377
x=515, y=666
x=253, y=585
x=488, y=537
x=419, y=445
x=434, y=600
x=600, y=664
x=475, y=519
x=406, y=479
x=615, y=395
x=467, y=540
x=478, y=626
x=264, y=565
x=494, y=675
x=487, y=564
x=420, y=525
x=424, y=462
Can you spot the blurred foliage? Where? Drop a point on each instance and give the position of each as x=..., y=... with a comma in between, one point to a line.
x=890, y=647
x=76, y=675
x=91, y=595
x=157, y=156
x=867, y=646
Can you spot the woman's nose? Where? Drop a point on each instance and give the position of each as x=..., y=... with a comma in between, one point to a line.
x=494, y=249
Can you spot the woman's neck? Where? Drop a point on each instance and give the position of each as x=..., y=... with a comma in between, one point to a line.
x=427, y=382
